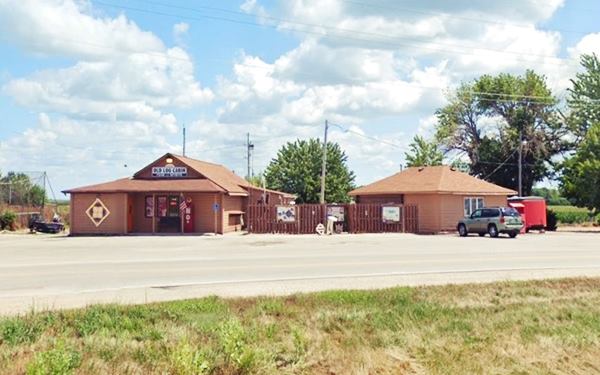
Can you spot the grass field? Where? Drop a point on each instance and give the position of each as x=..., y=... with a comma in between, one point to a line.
x=540, y=327
x=572, y=215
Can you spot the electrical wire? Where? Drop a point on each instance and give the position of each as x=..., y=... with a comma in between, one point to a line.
x=197, y=8
x=467, y=50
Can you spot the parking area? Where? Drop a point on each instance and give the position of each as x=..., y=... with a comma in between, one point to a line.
x=40, y=271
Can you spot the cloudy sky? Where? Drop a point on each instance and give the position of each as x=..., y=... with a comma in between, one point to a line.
x=94, y=90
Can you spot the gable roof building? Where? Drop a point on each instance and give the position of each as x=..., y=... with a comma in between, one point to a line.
x=174, y=193
x=442, y=194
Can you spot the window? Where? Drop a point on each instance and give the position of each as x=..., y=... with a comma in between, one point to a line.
x=509, y=211
x=472, y=204
x=477, y=214
x=149, y=211
x=173, y=206
x=162, y=206
x=490, y=212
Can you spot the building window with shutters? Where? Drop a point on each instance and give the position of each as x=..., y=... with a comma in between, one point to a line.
x=473, y=203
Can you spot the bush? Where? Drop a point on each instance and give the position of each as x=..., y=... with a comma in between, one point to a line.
x=551, y=221
x=60, y=360
x=571, y=214
x=8, y=220
x=598, y=219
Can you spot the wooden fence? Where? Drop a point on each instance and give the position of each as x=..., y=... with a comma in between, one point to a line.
x=304, y=218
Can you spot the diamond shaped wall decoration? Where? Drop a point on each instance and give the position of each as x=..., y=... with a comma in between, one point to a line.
x=97, y=212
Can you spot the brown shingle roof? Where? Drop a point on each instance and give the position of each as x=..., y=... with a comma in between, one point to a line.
x=129, y=185
x=217, y=178
x=441, y=179
x=218, y=174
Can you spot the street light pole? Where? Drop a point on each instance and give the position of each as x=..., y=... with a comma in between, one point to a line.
x=521, y=163
x=324, y=166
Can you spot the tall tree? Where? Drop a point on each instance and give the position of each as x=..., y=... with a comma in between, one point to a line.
x=581, y=174
x=584, y=96
x=486, y=118
x=17, y=188
x=423, y=153
x=580, y=179
x=297, y=170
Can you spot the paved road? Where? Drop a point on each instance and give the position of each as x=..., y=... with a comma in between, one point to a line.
x=54, y=272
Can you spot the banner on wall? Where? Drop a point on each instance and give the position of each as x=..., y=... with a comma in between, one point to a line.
x=390, y=214
x=286, y=213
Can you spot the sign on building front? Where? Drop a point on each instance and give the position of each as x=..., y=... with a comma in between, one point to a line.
x=390, y=214
x=97, y=212
x=169, y=171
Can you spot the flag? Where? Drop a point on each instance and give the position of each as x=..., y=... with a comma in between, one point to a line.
x=182, y=205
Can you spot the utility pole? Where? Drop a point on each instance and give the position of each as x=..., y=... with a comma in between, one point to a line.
x=249, y=149
x=521, y=162
x=184, y=139
x=324, y=166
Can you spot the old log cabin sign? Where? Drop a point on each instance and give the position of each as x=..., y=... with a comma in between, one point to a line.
x=169, y=171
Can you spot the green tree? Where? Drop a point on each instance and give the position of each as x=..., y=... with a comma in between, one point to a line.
x=486, y=118
x=581, y=174
x=17, y=188
x=584, y=96
x=551, y=195
x=297, y=170
x=423, y=153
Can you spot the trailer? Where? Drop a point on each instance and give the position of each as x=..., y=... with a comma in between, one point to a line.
x=532, y=210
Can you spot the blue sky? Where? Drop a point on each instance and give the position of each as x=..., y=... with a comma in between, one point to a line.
x=94, y=90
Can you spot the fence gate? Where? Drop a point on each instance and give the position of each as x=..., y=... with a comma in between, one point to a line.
x=359, y=218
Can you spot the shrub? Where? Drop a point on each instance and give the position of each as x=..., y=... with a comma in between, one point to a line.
x=551, y=221
x=571, y=214
x=60, y=360
x=8, y=220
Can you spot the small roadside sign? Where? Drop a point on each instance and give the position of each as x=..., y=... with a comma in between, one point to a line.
x=215, y=207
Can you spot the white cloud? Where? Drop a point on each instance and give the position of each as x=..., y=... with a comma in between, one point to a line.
x=68, y=28
x=180, y=30
x=590, y=43
x=132, y=77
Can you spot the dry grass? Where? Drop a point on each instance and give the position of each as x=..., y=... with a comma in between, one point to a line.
x=536, y=327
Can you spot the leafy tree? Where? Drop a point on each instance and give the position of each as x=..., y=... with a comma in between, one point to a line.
x=486, y=118
x=17, y=188
x=581, y=173
x=552, y=196
x=423, y=153
x=297, y=170
x=584, y=96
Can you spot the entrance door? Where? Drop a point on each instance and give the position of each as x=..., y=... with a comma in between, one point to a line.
x=129, y=215
x=169, y=220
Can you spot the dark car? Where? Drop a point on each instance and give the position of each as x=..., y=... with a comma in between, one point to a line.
x=37, y=224
x=493, y=221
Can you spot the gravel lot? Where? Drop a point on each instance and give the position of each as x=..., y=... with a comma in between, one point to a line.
x=40, y=271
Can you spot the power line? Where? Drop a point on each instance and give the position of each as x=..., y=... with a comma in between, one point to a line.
x=467, y=50
x=366, y=136
x=337, y=29
x=447, y=15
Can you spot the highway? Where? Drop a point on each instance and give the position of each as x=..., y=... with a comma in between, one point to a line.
x=42, y=272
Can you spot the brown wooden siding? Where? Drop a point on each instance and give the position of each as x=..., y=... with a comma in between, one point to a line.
x=232, y=206
x=115, y=223
x=381, y=199
x=452, y=208
x=429, y=211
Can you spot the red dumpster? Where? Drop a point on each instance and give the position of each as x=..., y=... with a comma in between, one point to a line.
x=533, y=209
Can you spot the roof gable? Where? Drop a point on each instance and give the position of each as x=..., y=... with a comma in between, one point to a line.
x=216, y=173
x=439, y=179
